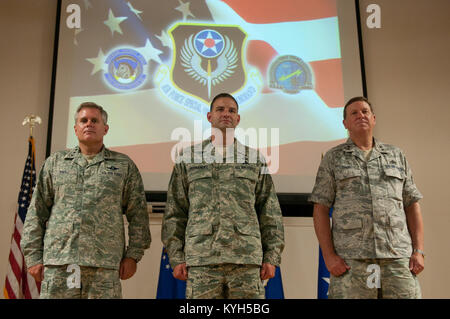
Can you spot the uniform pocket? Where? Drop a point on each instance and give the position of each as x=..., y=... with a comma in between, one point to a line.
x=394, y=179
x=109, y=243
x=249, y=230
x=54, y=285
x=199, y=179
x=198, y=172
x=246, y=178
x=65, y=176
x=111, y=179
x=105, y=288
x=57, y=240
x=249, y=173
x=247, y=241
x=198, y=239
x=398, y=233
x=65, y=183
x=200, y=187
x=348, y=181
x=198, y=230
x=347, y=235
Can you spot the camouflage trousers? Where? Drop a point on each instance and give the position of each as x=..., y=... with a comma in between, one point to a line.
x=80, y=282
x=375, y=279
x=226, y=281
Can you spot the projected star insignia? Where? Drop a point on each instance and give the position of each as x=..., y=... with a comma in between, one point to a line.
x=165, y=39
x=98, y=62
x=136, y=12
x=113, y=22
x=184, y=9
x=149, y=52
x=209, y=43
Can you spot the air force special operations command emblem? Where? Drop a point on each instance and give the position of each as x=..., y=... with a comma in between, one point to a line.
x=207, y=60
x=209, y=45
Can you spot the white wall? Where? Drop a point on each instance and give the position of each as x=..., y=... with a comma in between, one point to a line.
x=26, y=32
x=407, y=69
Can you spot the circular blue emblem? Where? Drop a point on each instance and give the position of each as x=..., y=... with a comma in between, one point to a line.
x=291, y=74
x=209, y=43
x=125, y=69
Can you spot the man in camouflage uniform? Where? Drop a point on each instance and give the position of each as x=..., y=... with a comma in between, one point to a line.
x=222, y=227
x=73, y=237
x=376, y=239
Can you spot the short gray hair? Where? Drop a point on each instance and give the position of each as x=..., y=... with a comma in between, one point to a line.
x=92, y=105
x=356, y=99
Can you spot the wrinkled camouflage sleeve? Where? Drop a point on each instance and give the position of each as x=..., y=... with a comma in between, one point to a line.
x=32, y=242
x=270, y=219
x=135, y=209
x=324, y=190
x=176, y=215
x=410, y=192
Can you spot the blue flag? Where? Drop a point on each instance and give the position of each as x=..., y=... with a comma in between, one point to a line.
x=323, y=280
x=168, y=286
x=171, y=288
x=274, y=287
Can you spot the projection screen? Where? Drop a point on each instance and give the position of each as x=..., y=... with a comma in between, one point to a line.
x=155, y=66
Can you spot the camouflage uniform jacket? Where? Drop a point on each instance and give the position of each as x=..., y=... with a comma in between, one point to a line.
x=368, y=200
x=76, y=212
x=223, y=211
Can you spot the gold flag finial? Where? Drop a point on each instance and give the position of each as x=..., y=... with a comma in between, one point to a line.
x=31, y=120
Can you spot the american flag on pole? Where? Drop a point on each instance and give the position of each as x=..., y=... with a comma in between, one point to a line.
x=19, y=284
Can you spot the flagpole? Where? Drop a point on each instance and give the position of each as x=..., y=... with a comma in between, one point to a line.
x=18, y=283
